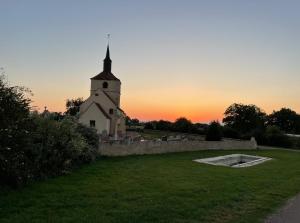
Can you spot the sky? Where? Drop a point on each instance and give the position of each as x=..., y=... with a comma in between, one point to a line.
x=190, y=58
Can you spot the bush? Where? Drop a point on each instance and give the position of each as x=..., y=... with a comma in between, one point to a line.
x=14, y=132
x=58, y=146
x=275, y=137
x=229, y=132
x=53, y=148
x=34, y=146
x=214, y=132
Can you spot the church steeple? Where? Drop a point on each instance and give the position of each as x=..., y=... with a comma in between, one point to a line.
x=107, y=61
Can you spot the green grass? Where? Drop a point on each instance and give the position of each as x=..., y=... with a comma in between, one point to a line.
x=158, y=188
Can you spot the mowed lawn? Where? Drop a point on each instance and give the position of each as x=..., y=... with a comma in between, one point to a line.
x=158, y=188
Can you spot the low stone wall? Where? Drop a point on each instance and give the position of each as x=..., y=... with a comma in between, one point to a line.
x=158, y=147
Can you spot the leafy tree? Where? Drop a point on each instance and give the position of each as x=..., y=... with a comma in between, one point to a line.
x=164, y=125
x=286, y=119
x=73, y=106
x=132, y=122
x=151, y=125
x=127, y=121
x=14, y=131
x=135, y=121
x=214, y=132
x=183, y=125
x=244, y=118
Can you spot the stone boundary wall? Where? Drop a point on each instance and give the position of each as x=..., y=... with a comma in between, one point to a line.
x=158, y=147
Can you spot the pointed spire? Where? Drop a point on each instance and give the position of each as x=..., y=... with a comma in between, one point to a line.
x=107, y=53
x=107, y=61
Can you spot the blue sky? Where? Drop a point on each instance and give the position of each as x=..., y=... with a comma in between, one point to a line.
x=178, y=58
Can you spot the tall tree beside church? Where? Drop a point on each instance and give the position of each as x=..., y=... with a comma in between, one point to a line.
x=244, y=118
x=73, y=106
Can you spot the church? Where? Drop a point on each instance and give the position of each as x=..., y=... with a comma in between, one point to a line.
x=101, y=110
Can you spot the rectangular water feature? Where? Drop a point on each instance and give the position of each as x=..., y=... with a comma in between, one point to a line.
x=234, y=160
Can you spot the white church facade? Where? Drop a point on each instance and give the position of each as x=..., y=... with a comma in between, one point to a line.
x=101, y=110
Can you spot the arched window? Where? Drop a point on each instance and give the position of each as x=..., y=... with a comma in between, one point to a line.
x=105, y=85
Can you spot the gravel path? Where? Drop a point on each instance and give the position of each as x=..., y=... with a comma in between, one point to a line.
x=290, y=213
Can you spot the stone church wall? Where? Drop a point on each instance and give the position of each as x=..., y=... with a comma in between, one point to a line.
x=158, y=147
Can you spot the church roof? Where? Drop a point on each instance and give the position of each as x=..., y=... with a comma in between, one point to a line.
x=104, y=75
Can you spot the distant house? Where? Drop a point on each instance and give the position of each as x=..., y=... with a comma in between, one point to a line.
x=102, y=109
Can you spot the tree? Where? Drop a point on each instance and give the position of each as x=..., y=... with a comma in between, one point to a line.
x=164, y=125
x=214, y=132
x=73, y=106
x=286, y=119
x=135, y=121
x=244, y=118
x=275, y=137
x=183, y=125
x=151, y=125
x=14, y=131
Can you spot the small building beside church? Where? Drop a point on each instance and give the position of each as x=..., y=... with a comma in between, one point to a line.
x=101, y=110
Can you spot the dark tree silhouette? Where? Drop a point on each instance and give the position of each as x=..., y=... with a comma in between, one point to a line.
x=214, y=132
x=183, y=125
x=244, y=118
x=73, y=106
x=286, y=119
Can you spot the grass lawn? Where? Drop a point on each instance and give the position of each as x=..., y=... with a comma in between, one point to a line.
x=158, y=188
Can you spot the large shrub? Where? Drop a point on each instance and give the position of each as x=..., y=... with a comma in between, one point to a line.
x=14, y=132
x=214, y=132
x=229, y=132
x=275, y=137
x=58, y=146
x=34, y=146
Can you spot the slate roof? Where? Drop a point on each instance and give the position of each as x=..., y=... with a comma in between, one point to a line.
x=104, y=75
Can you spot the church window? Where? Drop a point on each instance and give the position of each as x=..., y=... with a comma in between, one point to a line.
x=105, y=85
x=111, y=111
x=92, y=123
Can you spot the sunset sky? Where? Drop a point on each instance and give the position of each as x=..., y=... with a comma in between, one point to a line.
x=174, y=58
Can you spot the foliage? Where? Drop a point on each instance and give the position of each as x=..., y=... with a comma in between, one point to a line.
x=180, y=125
x=275, y=137
x=150, y=125
x=244, y=118
x=214, y=132
x=73, y=106
x=183, y=125
x=229, y=132
x=286, y=119
x=14, y=131
x=164, y=125
x=91, y=137
x=34, y=146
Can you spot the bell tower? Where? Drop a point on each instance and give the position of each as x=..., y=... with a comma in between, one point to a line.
x=106, y=81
